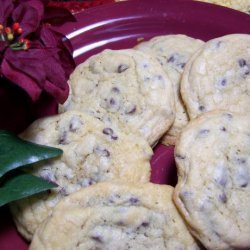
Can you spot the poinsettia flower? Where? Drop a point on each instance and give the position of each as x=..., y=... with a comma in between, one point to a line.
x=29, y=15
x=33, y=55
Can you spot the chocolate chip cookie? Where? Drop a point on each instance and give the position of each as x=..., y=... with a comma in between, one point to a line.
x=92, y=153
x=218, y=76
x=128, y=85
x=173, y=52
x=213, y=190
x=115, y=216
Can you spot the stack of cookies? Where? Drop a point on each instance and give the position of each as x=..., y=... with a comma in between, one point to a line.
x=174, y=89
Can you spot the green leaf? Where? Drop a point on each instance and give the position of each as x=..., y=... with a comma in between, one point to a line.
x=21, y=185
x=15, y=152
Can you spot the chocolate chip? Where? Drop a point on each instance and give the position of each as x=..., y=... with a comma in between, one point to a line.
x=180, y=157
x=97, y=239
x=201, y=108
x=114, y=137
x=181, y=65
x=247, y=72
x=115, y=90
x=106, y=153
x=145, y=224
x=90, y=182
x=75, y=123
x=245, y=66
x=122, y=67
x=112, y=101
x=131, y=110
x=241, y=177
x=102, y=152
x=241, y=160
x=222, y=181
x=218, y=44
x=242, y=62
x=63, y=138
x=120, y=223
x=244, y=185
x=108, y=131
x=228, y=115
x=171, y=59
x=223, y=198
x=133, y=200
x=72, y=127
x=223, y=82
x=223, y=129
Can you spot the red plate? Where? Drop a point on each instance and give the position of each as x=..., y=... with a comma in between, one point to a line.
x=118, y=26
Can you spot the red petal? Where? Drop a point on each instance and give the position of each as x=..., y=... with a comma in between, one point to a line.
x=59, y=94
x=51, y=38
x=3, y=45
x=39, y=6
x=56, y=83
x=21, y=80
x=28, y=63
x=5, y=10
x=41, y=66
x=28, y=16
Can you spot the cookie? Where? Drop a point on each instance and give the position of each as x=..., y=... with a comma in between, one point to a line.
x=115, y=216
x=173, y=52
x=92, y=153
x=128, y=85
x=218, y=76
x=213, y=190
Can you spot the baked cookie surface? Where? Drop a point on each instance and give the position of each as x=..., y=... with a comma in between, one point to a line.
x=115, y=216
x=213, y=190
x=173, y=52
x=127, y=84
x=218, y=76
x=92, y=153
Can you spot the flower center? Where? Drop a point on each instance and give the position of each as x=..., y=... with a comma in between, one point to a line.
x=11, y=36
